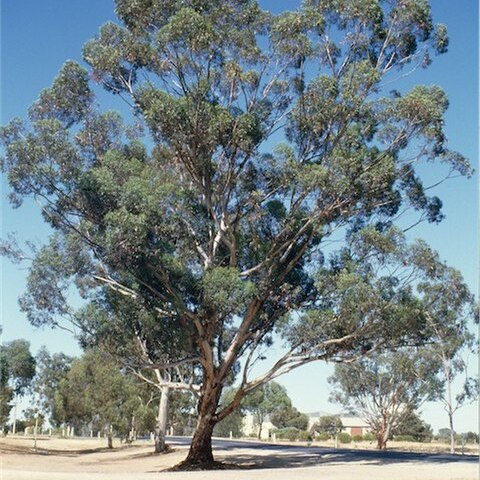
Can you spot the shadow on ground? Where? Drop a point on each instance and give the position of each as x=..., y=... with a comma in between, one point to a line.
x=305, y=458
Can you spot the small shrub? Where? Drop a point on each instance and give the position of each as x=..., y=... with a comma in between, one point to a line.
x=344, y=437
x=369, y=436
x=322, y=436
x=357, y=438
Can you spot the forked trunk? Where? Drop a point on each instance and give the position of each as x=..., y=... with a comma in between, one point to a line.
x=161, y=430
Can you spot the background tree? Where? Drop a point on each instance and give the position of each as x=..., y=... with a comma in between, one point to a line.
x=451, y=309
x=96, y=393
x=213, y=230
x=386, y=388
x=266, y=401
x=289, y=417
x=6, y=394
x=330, y=425
x=51, y=369
x=18, y=367
x=471, y=437
x=414, y=426
x=443, y=434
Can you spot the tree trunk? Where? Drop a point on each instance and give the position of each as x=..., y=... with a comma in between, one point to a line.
x=381, y=442
x=382, y=433
x=200, y=455
x=110, y=437
x=448, y=375
x=161, y=430
x=260, y=425
x=452, y=433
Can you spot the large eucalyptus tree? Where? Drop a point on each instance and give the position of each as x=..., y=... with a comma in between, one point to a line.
x=265, y=135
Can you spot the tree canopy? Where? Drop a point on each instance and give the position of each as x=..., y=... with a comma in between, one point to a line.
x=256, y=137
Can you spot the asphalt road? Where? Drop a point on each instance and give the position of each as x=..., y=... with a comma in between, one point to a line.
x=343, y=455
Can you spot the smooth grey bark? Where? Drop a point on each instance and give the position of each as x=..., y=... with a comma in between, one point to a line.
x=161, y=430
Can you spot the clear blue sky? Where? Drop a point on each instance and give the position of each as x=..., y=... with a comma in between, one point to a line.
x=38, y=36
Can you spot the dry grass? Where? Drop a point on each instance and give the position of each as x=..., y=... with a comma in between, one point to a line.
x=432, y=447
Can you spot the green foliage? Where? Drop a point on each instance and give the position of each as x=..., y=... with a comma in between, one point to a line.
x=96, y=393
x=68, y=100
x=232, y=424
x=265, y=401
x=289, y=417
x=443, y=434
x=288, y=433
x=224, y=290
x=51, y=370
x=413, y=426
x=344, y=437
x=298, y=420
x=328, y=425
x=369, y=436
x=471, y=437
x=145, y=420
x=357, y=438
x=17, y=365
x=450, y=307
x=181, y=412
x=6, y=392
